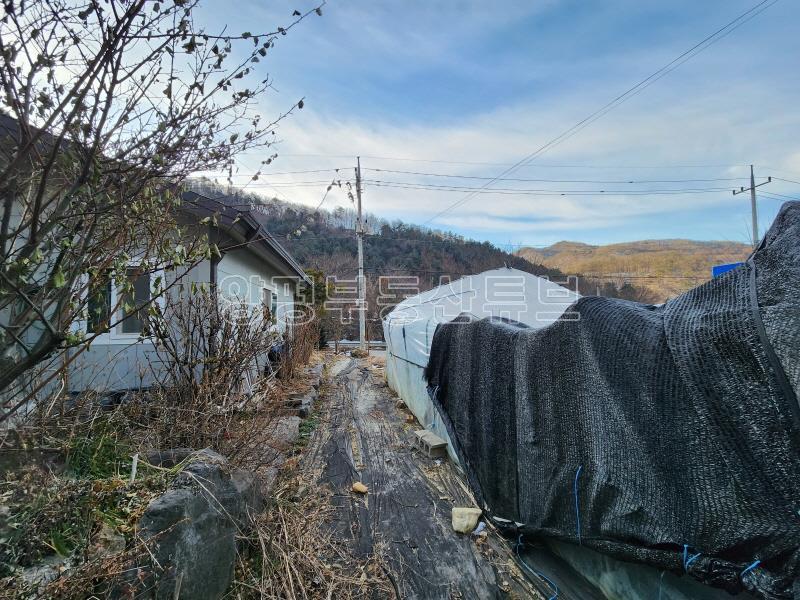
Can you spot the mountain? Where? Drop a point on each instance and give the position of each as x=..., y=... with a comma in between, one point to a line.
x=325, y=241
x=664, y=267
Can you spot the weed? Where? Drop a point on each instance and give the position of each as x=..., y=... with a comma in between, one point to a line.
x=99, y=455
x=306, y=429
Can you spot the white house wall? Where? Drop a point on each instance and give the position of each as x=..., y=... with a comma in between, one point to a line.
x=244, y=277
x=117, y=364
x=109, y=365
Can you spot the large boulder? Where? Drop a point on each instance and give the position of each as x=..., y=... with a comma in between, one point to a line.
x=191, y=528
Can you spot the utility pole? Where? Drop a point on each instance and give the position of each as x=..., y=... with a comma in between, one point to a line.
x=753, y=209
x=362, y=303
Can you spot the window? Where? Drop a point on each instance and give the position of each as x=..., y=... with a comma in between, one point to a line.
x=134, y=301
x=127, y=306
x=270, y=302
x=99, y=305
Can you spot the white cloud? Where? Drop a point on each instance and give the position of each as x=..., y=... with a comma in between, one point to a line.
x=711, y=129
x=711, y=111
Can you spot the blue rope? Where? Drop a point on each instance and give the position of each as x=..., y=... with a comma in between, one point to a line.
x=535, y=573
x=750, y=568
x=577, y=506
x=688, y=560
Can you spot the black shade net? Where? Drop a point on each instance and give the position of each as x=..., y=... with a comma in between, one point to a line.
x=666, y=435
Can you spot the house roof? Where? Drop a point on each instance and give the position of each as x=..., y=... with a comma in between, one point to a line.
x=233, y=214
x=236, y=214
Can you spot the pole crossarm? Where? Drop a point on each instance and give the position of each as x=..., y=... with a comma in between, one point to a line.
x=753, y=208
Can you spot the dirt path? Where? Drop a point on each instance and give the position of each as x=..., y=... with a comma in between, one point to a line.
x=404, y=520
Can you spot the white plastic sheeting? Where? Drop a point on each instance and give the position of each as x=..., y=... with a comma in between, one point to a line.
x=537, y=302
x=408, y=329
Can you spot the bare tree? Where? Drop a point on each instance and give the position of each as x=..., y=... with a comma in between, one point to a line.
x=106, y=108
x=208, y=352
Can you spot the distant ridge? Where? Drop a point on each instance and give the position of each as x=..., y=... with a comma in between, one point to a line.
x=665, y=267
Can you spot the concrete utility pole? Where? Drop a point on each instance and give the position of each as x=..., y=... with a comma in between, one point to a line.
x=362, y=303
x=753, y=208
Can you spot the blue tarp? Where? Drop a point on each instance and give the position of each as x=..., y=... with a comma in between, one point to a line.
x=718, y=270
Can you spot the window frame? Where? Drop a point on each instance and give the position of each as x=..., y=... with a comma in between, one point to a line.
x=115, y=335
x=121, y=309
x=272, y=294
x=109, y=284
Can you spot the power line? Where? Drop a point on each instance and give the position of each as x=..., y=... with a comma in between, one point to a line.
x=786, y=180
x=292, y=172
x=325, y=195
x=277, y=193
x=555, y=165
x=538, y=165
x=768, y=168
x=298, y=183
x=540, y=192
x=780, y=196
x=497, y=164
x=629, y=93
x=390, y=238
x=617, y=181
x=292, y=184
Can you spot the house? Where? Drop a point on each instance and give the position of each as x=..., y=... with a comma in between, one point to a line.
x=253, y=270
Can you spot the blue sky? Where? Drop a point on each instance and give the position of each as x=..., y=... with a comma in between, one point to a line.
x=463, y=87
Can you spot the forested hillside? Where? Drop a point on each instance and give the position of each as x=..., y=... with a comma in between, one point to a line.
x=324, y=240
x=665, y=267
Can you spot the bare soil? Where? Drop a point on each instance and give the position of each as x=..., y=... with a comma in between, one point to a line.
x=403, y=522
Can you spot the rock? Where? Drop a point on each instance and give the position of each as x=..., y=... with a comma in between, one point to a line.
x=359, y=488
x=296, y=399
x=168, y=458
x=359, y=353
x=270, y=476
x=301, y=402
x=285, y=431
x=465, y=519
x=44, y=572
x=316, y=375
x=305, y=407
x=249, y=488
x=191, y=529
x=106, y=543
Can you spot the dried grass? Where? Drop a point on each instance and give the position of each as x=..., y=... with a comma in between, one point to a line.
x=293, y=553
x=301, y=340
x=200, y=403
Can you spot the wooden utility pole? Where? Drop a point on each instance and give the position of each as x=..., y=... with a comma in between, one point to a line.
x=753, y=208
x=362, y=303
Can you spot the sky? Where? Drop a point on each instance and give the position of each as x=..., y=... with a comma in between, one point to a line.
x=447, y=89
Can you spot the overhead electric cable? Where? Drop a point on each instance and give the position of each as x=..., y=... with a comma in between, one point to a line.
x=629, y=93
x=620, y=181
x=290, y=172
x=538, y=165
x=786, y=180
x=293, y=184
x=779, y=196
x=541, y=192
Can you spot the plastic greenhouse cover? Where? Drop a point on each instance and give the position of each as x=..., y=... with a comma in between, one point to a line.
x=409, y=328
